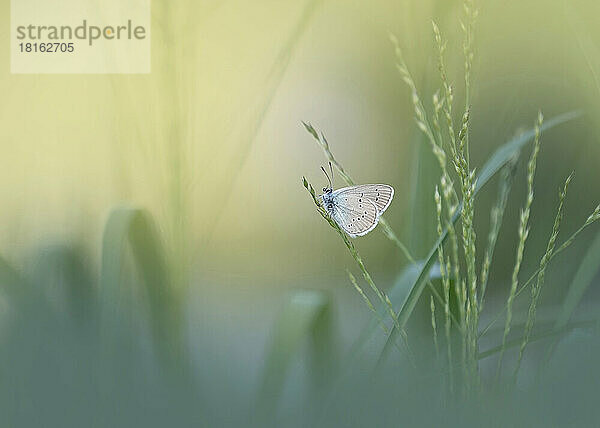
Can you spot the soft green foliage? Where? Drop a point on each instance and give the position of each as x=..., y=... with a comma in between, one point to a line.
x=132, y=229
x=11, y=282
x=547, y=331
x=111, y=336
x=583, y=278
x=105, y=341
x=306, y=317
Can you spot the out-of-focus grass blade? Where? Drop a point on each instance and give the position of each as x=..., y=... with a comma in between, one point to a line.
x=306, y=317
x=361, y=348
x=585, y=41
x=589, y=267
x=544, y=334
x=397, y=294
x=60, y=274
x=132, y=229
x=274, y=79
x=498, y=159
x=13, y=290
x=511, y=148
x=11, y=282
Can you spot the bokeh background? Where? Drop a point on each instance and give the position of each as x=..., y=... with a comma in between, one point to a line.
x=212, y=146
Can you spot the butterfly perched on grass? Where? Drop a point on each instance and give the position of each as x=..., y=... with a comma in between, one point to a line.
x=356, y=209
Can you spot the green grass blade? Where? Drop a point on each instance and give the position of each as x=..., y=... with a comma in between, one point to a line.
x=60, y=274
x=305, y=319
x=585, y=41
x=397, y=294
x=583, y=279
x=11, y=282
x=133, y=230
x=548, y=333
x=508, y=150
x=591, y=262
x=587, y=270
x=494, y=164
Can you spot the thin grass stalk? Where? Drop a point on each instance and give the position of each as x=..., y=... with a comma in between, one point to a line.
x=537, y=288
x=469, y=236
x=467, y=188
x=448, y=91
x=434, y=135
x=366, y=299
x=434, y=327
x=371, y=307
x=523, y=233
x=444, y=271
x=592, y=218
x=553, y=332
x=450, y=199
x=431, y=133
x=463, y=348
x=581, y=281
x=447, y=110
x=496, y=216
x=420, y=113
x=468, y=185
x=436, y=140
x=448, y=192
x=468, y=29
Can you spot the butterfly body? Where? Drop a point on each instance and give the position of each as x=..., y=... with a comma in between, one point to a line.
x=356, y=209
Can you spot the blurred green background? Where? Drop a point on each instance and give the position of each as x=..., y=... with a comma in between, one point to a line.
x=212, y=146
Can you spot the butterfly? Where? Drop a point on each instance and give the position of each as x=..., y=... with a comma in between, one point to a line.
x=356, y=209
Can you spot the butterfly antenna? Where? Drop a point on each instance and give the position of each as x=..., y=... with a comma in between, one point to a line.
x=327, y=175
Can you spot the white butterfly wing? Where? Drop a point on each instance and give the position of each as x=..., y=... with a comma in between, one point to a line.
x=380, y=194
x=355, y=215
